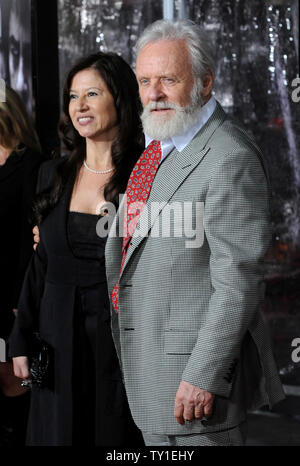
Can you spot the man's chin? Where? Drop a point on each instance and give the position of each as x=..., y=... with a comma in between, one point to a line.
x=157, y=117
x=153, y=123
x=167, y=124
x=155, y=131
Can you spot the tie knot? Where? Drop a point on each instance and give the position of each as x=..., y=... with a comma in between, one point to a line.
x=153, y=150
x=154, y=144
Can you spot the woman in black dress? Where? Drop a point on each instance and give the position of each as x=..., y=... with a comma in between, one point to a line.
x=64, y=295
x=20, y=159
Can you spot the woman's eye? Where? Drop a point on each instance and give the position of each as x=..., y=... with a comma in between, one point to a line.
x=92, y=93
x=72, y=96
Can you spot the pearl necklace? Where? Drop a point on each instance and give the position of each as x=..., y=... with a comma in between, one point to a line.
x=97, y=171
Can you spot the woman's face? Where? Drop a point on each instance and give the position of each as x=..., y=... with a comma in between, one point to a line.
x=91, y=106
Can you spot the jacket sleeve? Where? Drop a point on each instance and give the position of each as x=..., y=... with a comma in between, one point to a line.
x=46, y=174
x=25, y=234
x=237, y=229
x=27, y=319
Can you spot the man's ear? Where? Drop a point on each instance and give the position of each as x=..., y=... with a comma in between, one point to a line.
x=207, y=83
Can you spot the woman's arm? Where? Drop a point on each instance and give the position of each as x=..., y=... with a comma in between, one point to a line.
x=27, y=319
x=31, y=166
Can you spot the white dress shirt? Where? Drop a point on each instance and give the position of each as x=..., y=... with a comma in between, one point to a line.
x=180, y=141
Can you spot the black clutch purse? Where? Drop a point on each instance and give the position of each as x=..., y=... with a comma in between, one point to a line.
x=41, y=363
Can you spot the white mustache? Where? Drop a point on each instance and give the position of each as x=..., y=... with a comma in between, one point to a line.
x=161, y=105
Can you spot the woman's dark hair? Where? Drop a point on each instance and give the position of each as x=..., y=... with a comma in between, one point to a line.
x=128, y=143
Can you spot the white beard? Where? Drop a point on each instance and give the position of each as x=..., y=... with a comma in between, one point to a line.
x=162, y=126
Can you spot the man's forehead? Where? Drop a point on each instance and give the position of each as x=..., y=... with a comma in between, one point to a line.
x=162, y=46
x=163, y=56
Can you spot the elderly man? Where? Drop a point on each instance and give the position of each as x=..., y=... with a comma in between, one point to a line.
x=193, y=346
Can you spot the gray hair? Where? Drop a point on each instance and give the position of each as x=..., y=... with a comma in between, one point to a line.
x=200, y=49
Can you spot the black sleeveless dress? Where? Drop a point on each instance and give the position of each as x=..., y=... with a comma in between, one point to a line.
x=64, y=297
x=99, y=399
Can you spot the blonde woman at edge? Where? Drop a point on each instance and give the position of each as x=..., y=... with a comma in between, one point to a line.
x=20, y=159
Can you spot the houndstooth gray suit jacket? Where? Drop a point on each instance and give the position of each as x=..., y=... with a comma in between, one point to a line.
x=192, y=313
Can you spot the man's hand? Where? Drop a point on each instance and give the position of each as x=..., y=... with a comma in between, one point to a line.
x=192, y=403
x=36, y=236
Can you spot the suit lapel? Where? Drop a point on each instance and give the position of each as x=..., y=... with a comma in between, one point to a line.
x=180, y=165
x=60, y=219
x=113, y=249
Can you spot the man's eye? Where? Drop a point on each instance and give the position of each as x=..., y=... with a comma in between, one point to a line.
x=169, y=80
x=144, y=81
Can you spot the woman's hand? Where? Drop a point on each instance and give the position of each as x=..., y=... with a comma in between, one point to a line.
x=36, y=236
x=9, y=383
x=21, y=367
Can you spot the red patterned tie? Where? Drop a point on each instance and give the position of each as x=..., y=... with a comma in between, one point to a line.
x=137, y=192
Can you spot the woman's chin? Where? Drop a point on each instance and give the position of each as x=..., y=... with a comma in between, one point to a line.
x=86, y=133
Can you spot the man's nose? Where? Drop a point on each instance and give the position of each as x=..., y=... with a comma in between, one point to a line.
x=156, y=92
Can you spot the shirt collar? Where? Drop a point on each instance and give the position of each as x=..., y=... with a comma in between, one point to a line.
x=180, y=141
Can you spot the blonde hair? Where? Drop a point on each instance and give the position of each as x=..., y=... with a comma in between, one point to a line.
x=15, y=124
